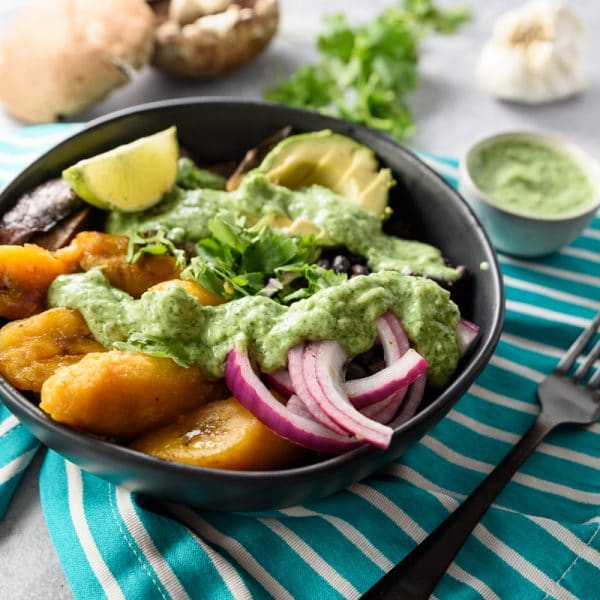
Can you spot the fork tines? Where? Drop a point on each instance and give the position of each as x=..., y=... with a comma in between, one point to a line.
x=566, y=362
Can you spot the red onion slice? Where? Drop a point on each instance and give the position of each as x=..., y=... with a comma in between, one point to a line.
x=384, y=410
x=295, y=405
x=253, y=395
x=281, y=382
x=367, y=390
x=411, y=403
x=466, y=334
x=301, y=389
x=384, y=383
x=323, y=364
x=393, y=327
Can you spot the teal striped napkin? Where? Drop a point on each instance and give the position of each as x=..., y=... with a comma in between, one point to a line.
x=540, y=540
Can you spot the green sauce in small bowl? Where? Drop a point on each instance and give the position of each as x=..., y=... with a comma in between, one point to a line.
x=534, y=192
x=531, y=178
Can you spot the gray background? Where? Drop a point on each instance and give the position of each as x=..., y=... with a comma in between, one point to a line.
x=450, y=110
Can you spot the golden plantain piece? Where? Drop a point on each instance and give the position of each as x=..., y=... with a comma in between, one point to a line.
x=203, y=296
x=26, y=272
x=124, y=394
x=221, y=435
x=32, y=349
x=92, y=249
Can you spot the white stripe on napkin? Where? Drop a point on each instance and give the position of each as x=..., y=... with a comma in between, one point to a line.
x=138, y=532
x=9, y=470
x=550, y=292
x=8, y=424
x=312, y=558
x=553, y=271
x=494, y=398
x=103, y=574
x=228, y=573
x=512, y=438
x=536, y=483
x=391, y=510
x=236, y=550
x=355, y=537
x=520, y=564
x=580, y=253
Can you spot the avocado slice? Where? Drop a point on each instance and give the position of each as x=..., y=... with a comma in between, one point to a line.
x=333, y=161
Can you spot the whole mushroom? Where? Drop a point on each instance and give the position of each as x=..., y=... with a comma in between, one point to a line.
x=204, y=38
x=61, y=56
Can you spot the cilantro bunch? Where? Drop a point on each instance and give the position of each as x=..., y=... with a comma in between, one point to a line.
x=237, y=261
x=365, y=71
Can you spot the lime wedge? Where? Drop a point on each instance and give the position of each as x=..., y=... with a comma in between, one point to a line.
x=129, y=178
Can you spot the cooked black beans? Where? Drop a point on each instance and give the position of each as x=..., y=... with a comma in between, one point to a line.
x=341, y=264
x=359, y=270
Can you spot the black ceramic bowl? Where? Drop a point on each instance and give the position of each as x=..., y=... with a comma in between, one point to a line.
x=223, y=129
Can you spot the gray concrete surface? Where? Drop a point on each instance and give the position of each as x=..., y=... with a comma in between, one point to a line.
x=450, y=111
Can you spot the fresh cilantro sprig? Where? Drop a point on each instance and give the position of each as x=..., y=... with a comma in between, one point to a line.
x=365, y=71
x=157, y=243
x=312, y=277
x=237, y=261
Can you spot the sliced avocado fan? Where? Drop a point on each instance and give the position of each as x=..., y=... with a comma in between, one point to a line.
x=333, y=161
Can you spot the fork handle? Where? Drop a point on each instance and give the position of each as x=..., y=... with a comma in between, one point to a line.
x=415, y=577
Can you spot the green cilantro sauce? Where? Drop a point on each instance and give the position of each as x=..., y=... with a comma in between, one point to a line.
x=341, y=222
x=531, y=178
x=172, y=323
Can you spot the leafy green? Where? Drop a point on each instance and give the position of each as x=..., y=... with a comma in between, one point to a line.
x=237, y=261
x=365, y=71
x=191, y=177
x=158, y=347
x=315, y=278
x=156, y=243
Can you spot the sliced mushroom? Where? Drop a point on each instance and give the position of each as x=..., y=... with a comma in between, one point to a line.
x=62, y=234
x=38, y=211
x=204, y=38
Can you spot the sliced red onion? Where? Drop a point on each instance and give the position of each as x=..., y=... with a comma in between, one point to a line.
x=301, y=389
x=411, y=403
x=384, y=383
x=384, y=410
x=400, y=344
x=466, y=334
x=253, y=395
x=295, y=405
x=323, y=364
x=281, y=382
x=368, y=390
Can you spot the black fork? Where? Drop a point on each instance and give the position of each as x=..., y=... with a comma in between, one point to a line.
x=564, y=399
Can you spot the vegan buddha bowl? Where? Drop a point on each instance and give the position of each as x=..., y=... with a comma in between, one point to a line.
x=238, y=313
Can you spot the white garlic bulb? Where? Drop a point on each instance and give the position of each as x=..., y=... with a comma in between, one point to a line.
x=535, y=55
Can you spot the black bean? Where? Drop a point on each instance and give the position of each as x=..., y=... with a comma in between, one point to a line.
x=324, y=263
x=340, y=264
x=359, y=270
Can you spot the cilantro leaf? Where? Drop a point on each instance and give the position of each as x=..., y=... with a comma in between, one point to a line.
x=238, y=261
x=365, y=71
x=316, y=279
x=157, y=243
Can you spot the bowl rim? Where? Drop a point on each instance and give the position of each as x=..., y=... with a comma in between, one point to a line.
x=478, y=358
x=588, y=163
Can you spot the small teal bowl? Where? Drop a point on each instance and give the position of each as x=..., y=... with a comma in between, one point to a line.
x=523, y=235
